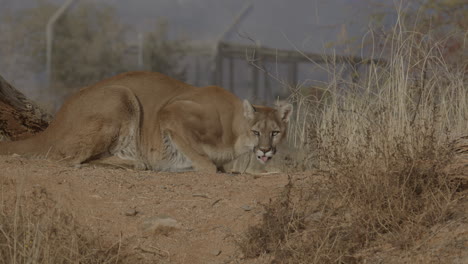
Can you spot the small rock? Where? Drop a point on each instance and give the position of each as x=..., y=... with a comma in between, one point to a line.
x=160, y=224
x=131, y=212
x=202, y=195
x=215, y=252
x=246, y=208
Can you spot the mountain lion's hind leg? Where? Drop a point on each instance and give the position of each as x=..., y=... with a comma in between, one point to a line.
x=99, y=123
x=91, y=142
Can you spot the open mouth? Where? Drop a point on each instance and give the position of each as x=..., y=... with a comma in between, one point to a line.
x=264, y=158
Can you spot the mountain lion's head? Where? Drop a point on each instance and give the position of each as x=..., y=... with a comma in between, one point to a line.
x=268, y=128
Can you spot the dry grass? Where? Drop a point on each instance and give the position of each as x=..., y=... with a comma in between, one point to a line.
x=280, y=219
x=381, y=145
x=34, y=229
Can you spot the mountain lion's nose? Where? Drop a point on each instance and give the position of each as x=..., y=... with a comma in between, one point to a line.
x=265, y=150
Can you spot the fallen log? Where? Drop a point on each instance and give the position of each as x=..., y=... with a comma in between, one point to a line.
x=19, y=117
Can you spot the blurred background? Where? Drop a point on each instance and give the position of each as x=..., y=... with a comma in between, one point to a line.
x=258, y=49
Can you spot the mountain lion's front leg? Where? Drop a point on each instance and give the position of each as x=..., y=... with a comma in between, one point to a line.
x=186, y=124
x=185, y=144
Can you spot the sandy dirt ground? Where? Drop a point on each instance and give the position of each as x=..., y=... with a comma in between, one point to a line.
x=208, y=212
x=211, y=210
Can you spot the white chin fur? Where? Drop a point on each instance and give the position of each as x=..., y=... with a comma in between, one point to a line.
x=263, y=157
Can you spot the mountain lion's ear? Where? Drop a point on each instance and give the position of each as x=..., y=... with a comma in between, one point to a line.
x=249, y=110
x=284, y=110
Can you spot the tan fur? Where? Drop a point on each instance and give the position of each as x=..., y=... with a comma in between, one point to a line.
x=159, y=122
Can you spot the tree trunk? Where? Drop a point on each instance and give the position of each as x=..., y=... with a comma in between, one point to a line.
x=19, y=117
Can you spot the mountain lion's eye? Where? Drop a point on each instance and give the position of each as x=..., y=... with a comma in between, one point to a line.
x=274, y=133
x=256, y=132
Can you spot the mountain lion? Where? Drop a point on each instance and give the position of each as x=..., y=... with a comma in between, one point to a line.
x=158, y=122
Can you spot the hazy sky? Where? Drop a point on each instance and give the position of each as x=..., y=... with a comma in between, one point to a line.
x=309, y=24
x=306, y=23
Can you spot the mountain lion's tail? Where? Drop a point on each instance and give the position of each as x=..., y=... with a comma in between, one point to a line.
x=30, y=146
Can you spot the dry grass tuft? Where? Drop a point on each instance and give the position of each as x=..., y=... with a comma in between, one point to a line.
x=33, y=229
x=280, y=219
x=381, y=146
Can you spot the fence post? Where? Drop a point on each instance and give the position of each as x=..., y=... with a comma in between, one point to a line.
x=266, y=83
x=355, y=72
x=293, y=73
x=218, y=73
x=231, y=74
x=254, y=79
